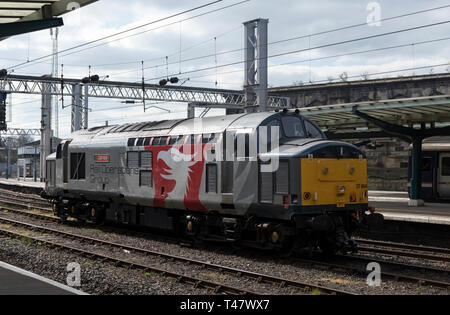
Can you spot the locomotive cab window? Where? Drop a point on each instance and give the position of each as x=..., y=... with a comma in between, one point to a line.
x=312, y=131
x=293, y=127
x=77, y=166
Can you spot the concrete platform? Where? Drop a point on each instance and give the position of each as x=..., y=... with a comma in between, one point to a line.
x=29, y=183
x=394, y=207
x=15, y=281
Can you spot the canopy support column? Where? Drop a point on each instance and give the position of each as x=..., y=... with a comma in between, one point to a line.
x=416, y=180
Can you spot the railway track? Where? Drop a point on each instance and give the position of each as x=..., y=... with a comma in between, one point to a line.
x=27, y=197
x=346, y=264
x=28, y=203
x=404, y=250
x=260, y=278
x=365, y=246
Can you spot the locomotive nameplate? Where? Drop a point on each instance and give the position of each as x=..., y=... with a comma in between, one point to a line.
x=102, y=158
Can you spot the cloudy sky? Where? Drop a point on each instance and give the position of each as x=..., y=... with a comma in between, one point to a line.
x=194, y=37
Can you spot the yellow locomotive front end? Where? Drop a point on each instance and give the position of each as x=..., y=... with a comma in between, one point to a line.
x=334, y=182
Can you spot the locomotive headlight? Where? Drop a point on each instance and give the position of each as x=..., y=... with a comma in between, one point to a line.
x=341, y=190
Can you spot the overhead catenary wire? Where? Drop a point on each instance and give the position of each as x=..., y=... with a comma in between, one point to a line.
x=283, y=40
x=314, y=48
x=123, y=32
x=288, y=39
x=38, y=60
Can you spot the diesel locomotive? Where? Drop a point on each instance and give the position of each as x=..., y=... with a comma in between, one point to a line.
x=268, y=180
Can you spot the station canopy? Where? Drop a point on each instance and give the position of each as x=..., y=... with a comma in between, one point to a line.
x=19, y=17
x=379, y=119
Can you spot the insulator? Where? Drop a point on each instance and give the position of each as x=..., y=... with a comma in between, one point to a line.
x=163, y=82
x=174, y=80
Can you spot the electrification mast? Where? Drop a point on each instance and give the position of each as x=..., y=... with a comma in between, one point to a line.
x=55, y=73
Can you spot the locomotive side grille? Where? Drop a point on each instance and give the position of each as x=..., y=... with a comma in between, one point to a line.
x=266, y=187
x=211, y=178
x=146, y=178
x=282, y=178
x=146, y=159
x=133, y=159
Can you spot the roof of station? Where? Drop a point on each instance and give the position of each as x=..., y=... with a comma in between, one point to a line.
x=26, y=16
x=341, y=118
x=28, y=10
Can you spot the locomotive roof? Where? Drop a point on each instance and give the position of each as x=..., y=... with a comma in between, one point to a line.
x=205, y=125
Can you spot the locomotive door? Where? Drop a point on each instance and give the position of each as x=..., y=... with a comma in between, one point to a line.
x=65, y=157
x=444, y=176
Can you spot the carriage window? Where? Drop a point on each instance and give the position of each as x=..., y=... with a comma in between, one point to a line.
x=163, y=141
x=293, y=127
x=77, y=166
x=312, y=131
x=131, y=142
x=179, y=140
x=140, y=142
x=147, y=142
x=173, y=140
x=446, y=166
x=156, y=141
x=205, y=138
x=426, y=164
